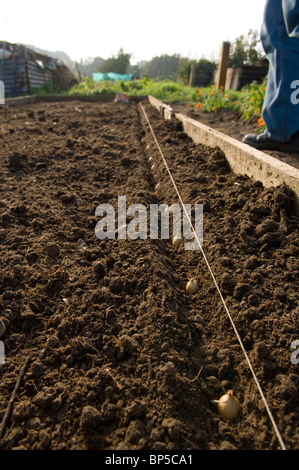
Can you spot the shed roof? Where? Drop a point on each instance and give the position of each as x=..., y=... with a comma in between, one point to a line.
x=22, y=68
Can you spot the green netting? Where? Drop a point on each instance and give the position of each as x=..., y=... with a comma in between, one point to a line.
x=99, y=77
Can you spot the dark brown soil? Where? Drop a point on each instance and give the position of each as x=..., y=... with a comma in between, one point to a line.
x=233, y=125
x=120, y=355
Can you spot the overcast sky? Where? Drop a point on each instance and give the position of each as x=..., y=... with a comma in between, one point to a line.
x=145, y=29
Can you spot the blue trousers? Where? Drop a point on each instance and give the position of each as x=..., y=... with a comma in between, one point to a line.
x=280, y=40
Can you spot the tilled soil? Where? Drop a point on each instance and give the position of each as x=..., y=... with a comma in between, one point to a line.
x=116, y=353
x=232, y=124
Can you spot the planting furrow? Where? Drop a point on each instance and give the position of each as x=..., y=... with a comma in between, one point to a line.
x=121, y=355
x=237, y=242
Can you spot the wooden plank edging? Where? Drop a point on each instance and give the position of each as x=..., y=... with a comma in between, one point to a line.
x=242, y=158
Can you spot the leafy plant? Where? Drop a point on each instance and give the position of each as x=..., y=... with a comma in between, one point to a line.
x=210, y=99
x=165, y=90
x=252, y=99
x=46, y=89
x=248, y=102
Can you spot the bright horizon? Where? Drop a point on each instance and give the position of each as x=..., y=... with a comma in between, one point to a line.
x=192, y=29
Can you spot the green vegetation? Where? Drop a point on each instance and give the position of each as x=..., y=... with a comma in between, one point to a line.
x=168, y=77
x=164, y=67
x=252, y=98
x=47, y=89
x=246, y=50
x=247, y=102
x=166, y=90
x=118, y=64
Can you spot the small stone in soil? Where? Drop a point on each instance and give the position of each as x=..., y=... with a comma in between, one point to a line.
x=53, y=250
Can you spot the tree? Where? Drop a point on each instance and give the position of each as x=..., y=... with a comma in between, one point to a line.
x=117, y=64
x=90, y=65
x=246, y=50
x=162, y=67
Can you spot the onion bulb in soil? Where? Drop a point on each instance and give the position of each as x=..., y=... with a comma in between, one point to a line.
x=229, y=406
x=176, y=241
x=192, y=286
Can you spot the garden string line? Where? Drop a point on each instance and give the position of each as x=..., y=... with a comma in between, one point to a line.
x=216, y=285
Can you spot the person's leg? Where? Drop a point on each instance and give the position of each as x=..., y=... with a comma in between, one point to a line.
x=280, y=113
x=290, y=10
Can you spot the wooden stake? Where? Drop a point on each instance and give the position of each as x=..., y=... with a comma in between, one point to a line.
x=192, y=75
x=78, y=70
x=223, y=65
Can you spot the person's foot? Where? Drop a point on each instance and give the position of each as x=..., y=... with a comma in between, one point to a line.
x=262, y=142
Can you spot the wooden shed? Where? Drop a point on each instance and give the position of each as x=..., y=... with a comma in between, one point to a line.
x=22, y=69
x=238, y=77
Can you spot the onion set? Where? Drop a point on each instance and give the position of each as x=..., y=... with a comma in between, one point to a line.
x=228, y=406
x=176, y=241
x=192, y=286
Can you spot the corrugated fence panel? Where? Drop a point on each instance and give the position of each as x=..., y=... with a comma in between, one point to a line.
x=21, y=79
x=22, y=70
x=14, y=76
x=11, y=76
x=38, y=76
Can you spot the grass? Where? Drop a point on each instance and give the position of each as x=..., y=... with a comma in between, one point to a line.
x=165, y=90
x=247, y=102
